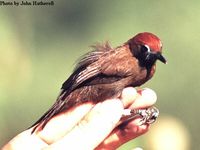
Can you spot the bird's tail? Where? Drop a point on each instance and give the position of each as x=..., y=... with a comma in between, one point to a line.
x=54, y=110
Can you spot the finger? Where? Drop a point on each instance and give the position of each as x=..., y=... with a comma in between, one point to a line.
x=145, y=98
x=61, y=124
x=24, y=141
x=128, y=96
x=119, y=136
x=95, y=126
x=131, y=129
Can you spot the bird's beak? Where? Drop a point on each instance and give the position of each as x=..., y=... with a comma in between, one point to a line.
x=161, y=58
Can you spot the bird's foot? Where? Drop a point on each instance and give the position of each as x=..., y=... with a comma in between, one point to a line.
x=148, y=115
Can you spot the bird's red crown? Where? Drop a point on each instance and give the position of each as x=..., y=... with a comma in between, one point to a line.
x=149, y=39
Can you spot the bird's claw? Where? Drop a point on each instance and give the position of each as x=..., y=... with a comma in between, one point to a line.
x=148, y=115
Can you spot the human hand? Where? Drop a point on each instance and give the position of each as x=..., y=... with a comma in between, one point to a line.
x=89, y=126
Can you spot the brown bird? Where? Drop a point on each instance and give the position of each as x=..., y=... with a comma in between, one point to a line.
x=104, y=72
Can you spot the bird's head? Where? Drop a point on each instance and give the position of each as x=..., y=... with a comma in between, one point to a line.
x=147, y=48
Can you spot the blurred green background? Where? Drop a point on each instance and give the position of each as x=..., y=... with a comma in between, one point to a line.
x=40, y=44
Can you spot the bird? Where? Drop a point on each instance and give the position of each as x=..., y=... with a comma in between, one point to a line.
x=104, y=72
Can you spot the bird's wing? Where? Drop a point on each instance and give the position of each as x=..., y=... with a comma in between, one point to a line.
x=96, y=67
x=87, y=68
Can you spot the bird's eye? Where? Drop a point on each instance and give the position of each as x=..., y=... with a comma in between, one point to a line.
x=145, y=48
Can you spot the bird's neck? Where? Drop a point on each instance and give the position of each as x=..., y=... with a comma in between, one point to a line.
x=150, y=71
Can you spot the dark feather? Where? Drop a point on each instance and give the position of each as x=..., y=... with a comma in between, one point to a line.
x=86, y=69
x=92, y=56
x=103, y=73
x=48, y=115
